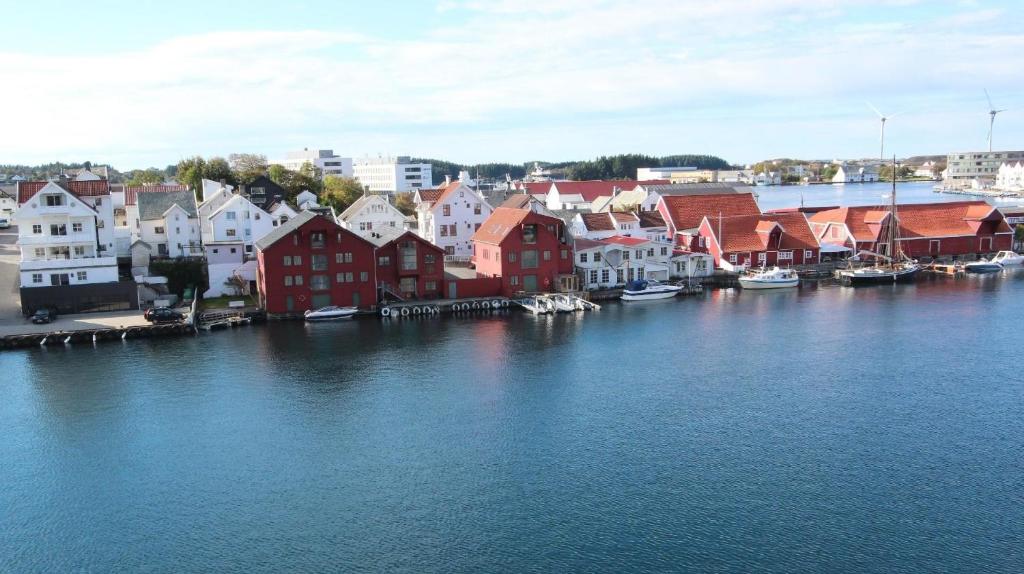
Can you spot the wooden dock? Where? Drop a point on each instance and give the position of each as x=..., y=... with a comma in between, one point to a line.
x=92, y=336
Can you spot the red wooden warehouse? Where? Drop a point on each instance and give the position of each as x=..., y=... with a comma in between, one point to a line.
x=408, y=266
x=765, y=240
x=311, y=262
x=526, y=250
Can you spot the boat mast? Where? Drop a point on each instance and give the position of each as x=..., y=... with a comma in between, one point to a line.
x=894, y=227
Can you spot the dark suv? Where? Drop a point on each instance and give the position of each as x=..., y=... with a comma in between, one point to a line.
x=163, y=315
x=43, y=316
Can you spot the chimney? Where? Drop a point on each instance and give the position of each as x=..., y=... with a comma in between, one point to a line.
x=447, y=179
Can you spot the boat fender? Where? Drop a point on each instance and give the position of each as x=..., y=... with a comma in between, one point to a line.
x=476, y=304
x=415, y=310
x=385, y=312
x=405, y=311
x=457, y=307
x=435, y=310
x=504, y=303
x=495, y=304
x=486, y=304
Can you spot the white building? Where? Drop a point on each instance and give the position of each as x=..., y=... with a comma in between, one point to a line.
x=855, y=174
x=281, y=212
x=233, y=219
x=669, y=173
x=228, y=271
x=372, y=212
x=616, y=260
x=977, y=168
x=324, y=159
x=168, y=222
x=926, y=169
x=392, y=174
x=65, y=238
x=1010, y=177
x=449, y=216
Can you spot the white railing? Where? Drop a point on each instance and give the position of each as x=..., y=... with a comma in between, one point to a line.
x=31, y=264
x=458, y=258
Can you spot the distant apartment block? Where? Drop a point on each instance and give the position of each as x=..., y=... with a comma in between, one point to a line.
x=964, y=167
x=324, y=159
x=392, y=174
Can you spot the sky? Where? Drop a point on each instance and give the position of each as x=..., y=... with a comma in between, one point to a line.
x=146, y=83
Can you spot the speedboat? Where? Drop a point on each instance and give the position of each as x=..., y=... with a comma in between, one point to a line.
x=538, y=305
x=982, y=267
x=563, y=304
x=1005, y=258
x=649, y=289
x=773, y=278
x=330, y=313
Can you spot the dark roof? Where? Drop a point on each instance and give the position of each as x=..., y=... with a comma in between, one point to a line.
x=284, y=229
x=272, y=193
x=518, y=201
x=598, y=221
x=153, y=205
x=698, y=188
x=650, y=219
x=131, y=192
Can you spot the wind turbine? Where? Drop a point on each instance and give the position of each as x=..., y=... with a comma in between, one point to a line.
x=992, y=111
x=883, y=118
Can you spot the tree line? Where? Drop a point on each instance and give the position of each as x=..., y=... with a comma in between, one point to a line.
x=622, y=166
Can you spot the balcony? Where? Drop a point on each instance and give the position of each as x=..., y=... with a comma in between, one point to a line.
x=55, y=262
x=69, y=239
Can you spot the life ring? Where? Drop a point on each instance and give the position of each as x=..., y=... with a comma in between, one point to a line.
x=405, y=311
x=386, y=312
x=302, y=298
x=476, y=304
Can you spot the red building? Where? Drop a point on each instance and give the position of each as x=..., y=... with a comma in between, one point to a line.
x=927, y=230
x=526, y=250
x=782, y=239
x=408, y=266
x=683, y=214
x=311, y=262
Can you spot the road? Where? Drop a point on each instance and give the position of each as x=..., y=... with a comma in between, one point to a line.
x=10, y=299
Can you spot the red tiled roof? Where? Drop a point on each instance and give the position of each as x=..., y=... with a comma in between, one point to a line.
x=26, y=189
x=751, y=232
x=505, y=219
x=444, y=192
x=131, y=192
x=597, y=221
x=954, y=218
x=624, y=217
x=624, y=240
x=517, y=201
x=687, y=211
x=591, y=190
x=429, y=195
x=583, y=243
x=534, y=187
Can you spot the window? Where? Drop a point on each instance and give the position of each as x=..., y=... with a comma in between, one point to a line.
x=808, y=254
x=785, y=255
x=343, y=257
x=476, y=227
x=161, y=230
x=650, y=252
x=229, y=232
x=317, y=239
x=446, y=210
x=564, y=254
x=318, y=262
x=476, y=209
x=288, y=281
x=76, y=227
x=511, y=256
x=37, y=277
x=177, y=231
x=605, y=275
x=664, y=251
x=547, y=255
x=444, y=231
x=761, y=258
x=298, y=279
x=58, y=229
x=583, y=259
x=407, y=255
x=593, y=276
x=384, y=260
x=40, y=252
x=345, y=277
x=57, y=279
x=513, y=280
x=37, y=229
x=453, y=230
x=529, y=259
x=297, y=260
x=54, y=201
x=449, y=250
x=597, y=256
x=364, y=276
x=287, y=260
x=639, y=253
x=81, y=276
x=319, y=282
x=530, y=233
x=79, y=251
x=625, y=255
x=429, y=258
x=732, y=258
x=430, y=286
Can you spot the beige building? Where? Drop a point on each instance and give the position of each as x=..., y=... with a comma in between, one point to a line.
x=962, y=168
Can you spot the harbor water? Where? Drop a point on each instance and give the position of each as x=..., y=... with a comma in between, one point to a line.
x=775, y=197
x=819, y=429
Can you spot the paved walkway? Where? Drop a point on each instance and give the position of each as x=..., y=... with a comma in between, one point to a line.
x=81, y=322
x=10, y=298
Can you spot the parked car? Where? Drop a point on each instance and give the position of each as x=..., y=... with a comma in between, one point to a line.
x=163, y=315
x=43, y=316
x=4, y=222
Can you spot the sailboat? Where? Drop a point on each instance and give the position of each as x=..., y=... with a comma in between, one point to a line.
x=894, y=266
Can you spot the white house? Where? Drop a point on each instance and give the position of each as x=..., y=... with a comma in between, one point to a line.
x=281, y=212
x=616, y=260
x=61, y=235
x=448, y=217
x=604, y=224
x=7, y=204
x=855, y=174
x=169, y=220
x=235, y=219
x=581, y=195
x=926, y=169
x=1010, y=177
x=307, y=200
x=372, y=212
x=228, y=271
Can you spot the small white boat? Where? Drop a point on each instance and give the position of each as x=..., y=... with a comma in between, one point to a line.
x=1005, y=258
x=648, y=290
x=563, y=304
x=538, y=305
x=982, y=267
x=774, y=278
x=330, y=313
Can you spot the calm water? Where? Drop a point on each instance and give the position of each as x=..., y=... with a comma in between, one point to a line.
x=775, y=197
x=827, y=429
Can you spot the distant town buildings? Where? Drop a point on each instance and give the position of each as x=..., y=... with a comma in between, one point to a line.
x=324, y=159
x=392, y=174
x=977, y=169
x=1010, y=177
x=849, y=173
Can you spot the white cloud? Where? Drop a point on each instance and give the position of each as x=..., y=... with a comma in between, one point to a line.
x=529, y=64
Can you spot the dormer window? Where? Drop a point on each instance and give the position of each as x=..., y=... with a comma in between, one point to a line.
x=54, y=200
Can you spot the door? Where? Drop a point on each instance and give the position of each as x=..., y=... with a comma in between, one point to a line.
x=986, y=244
x=530, y=283
x=289, y=303
x=452, y=294
x=320, y=300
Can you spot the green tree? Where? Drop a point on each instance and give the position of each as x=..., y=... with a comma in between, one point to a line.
x=190, y=173
x=828, y=172
x=404, y=203
x=248, y=166
x=151, y=176
x=340, y=192
x=218, y=169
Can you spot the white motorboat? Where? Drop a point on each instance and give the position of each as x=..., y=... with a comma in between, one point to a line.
x=648, y=290
x=774, y=278
x=330, y=313
x=1006, y=258
x=982, y=267
x=563, y=304
x=538, y=305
